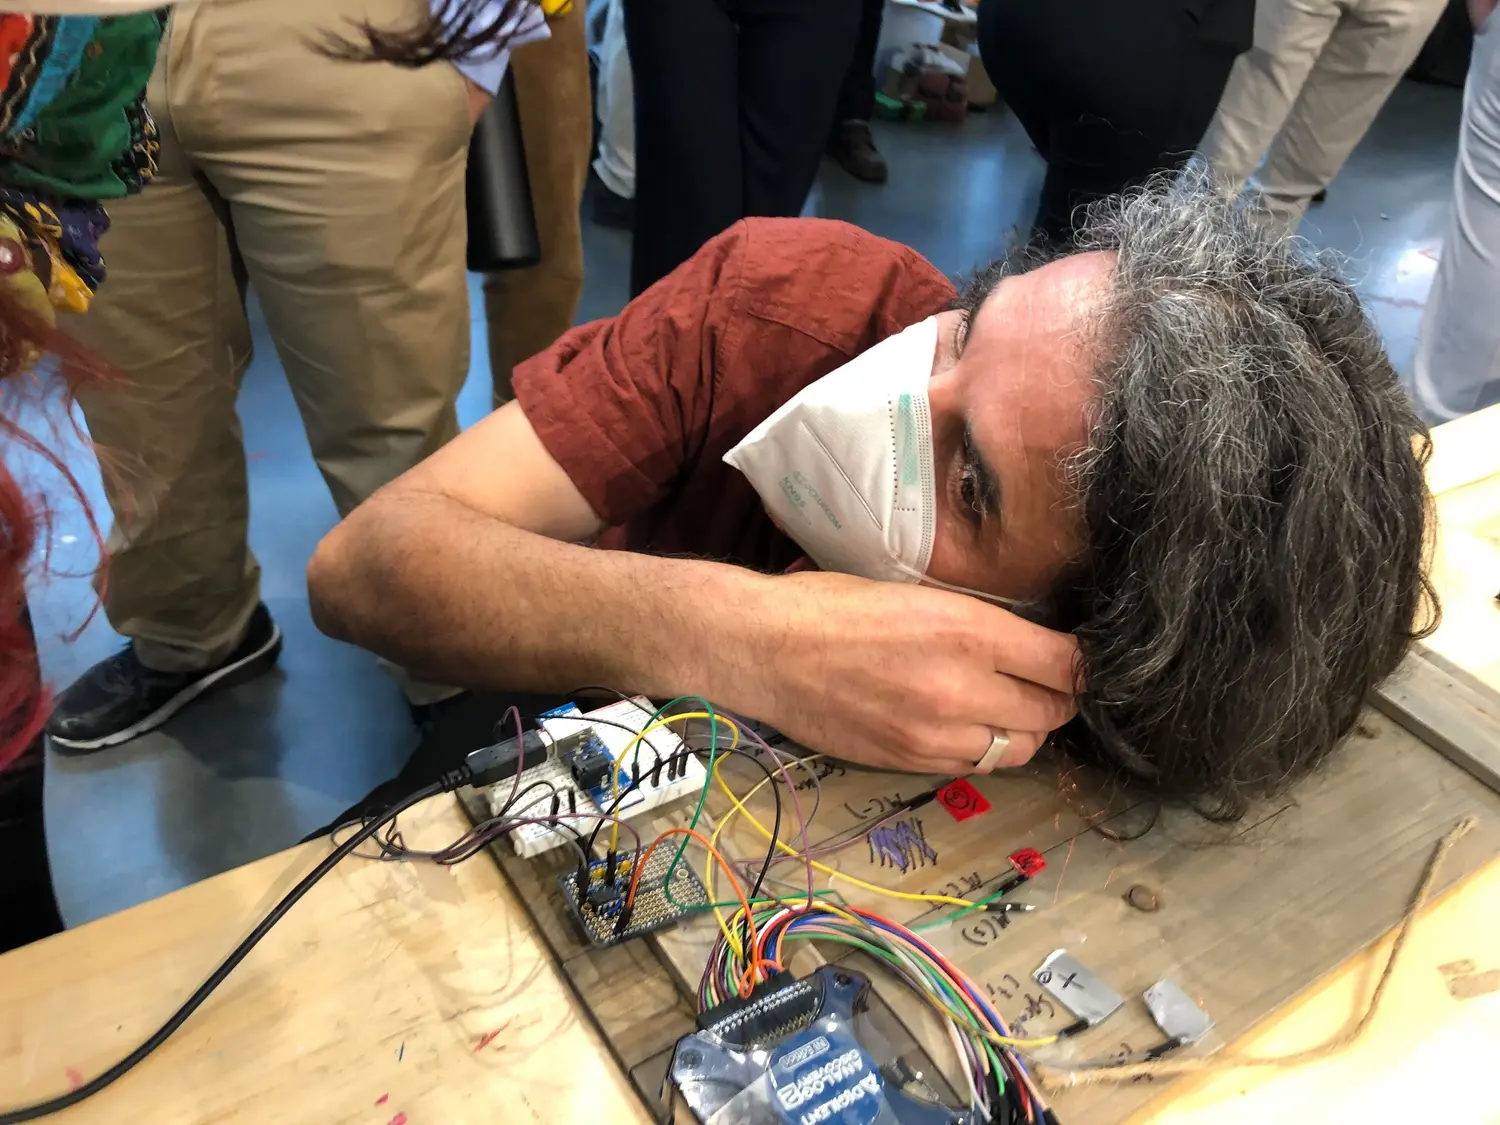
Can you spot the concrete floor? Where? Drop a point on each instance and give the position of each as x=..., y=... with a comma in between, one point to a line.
x=251, y=770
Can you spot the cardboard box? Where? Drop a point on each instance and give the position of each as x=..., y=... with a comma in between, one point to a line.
x=981, y=90
x=959, y=35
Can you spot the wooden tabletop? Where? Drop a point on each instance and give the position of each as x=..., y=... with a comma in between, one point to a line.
x=404, y=994
x=391, y=994
x=1440, y=1028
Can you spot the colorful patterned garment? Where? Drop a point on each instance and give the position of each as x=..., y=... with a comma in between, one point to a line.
x=74, y=132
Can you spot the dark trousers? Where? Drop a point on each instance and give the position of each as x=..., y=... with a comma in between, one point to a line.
x=857, y=94
x=28, y=910
x=1109, y=92
x=733, y=103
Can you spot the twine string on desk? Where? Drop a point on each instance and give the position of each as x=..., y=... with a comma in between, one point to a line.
x=1059, y=1076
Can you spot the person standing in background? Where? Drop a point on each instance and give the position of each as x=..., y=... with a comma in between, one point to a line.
x=612, y=191
x=734, y=100
x=1307, y=91
x=1109, y=92
x=1457, y=367
x=337, y=190
x=526, y=309
x=62, y=80
x=851, y=144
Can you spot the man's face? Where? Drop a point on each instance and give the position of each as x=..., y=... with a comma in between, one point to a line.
x=1009, y=402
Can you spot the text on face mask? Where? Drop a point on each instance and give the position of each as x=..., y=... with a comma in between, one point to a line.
x=789, y=485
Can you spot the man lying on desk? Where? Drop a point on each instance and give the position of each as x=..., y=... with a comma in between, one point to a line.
x=1183, y=447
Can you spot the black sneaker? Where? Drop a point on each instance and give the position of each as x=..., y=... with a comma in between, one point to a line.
x=120, y=698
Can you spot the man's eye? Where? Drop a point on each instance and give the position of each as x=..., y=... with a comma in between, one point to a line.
x=968, y=491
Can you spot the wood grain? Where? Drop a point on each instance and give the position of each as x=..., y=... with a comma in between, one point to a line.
x=1451, y=711
x=366, y=1004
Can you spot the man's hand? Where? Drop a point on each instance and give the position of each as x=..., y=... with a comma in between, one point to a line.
x=479, y=100
x=902, y=677
x=1479, y=11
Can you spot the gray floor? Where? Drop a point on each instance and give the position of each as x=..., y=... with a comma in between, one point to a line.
x=251, y=770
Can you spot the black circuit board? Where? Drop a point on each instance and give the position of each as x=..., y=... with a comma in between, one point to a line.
x=599, y=912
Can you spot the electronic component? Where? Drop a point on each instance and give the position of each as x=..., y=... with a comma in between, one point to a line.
x=1077, y=989
x=590, y=764
x=1027, y=862
x=563, y=730
x=603, y=898
x=652, y=910
x=800, y=1051
x=490, y=765
x=1177, y=1013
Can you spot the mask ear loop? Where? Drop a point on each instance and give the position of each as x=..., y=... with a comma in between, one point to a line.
x=928, y=580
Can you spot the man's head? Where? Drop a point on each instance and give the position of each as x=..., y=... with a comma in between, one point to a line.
x=1185, y=442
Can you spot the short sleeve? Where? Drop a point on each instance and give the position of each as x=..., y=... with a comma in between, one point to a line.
x=632, y=406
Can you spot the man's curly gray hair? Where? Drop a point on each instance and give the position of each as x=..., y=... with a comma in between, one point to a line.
x=1253, y=504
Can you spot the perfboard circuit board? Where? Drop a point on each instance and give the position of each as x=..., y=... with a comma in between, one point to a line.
x=598, y=913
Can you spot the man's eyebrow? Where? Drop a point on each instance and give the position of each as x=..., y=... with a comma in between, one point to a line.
x=987, y=492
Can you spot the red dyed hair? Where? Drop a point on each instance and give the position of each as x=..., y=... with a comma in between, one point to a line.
x=24, y=702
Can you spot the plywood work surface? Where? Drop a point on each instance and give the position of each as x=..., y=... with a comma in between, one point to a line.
x=391, y=994
x=1251, y=916
x=1464, y=475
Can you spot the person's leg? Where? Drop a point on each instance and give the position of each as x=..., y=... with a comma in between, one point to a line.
x=180, y=582
x=792, y=59
x=1264, y=84
x=1110, y=95
x=615, y=105
x=1356, y=71
x=346, y=187
x=1003, y=31
x=1147, y=115
x=688, y=184
x=851, y=143
x=28, y=908
x=29, y=911
x=1457, y=367
x=527, y=309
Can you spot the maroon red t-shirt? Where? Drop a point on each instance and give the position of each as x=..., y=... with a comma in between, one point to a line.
x=640, y=409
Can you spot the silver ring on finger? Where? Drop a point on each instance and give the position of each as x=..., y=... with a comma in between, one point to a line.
x=999, y=743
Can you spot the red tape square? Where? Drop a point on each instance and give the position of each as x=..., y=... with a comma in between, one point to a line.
x=962, y=800
x=1028, y=861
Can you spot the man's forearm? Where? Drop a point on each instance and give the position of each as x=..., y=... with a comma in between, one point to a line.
x=465, y=599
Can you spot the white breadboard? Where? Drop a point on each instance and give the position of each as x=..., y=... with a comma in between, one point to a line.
x=533, y=839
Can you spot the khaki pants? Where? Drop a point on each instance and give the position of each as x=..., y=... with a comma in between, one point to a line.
x=337, y=190
x=1307, y=91
x=528, y=309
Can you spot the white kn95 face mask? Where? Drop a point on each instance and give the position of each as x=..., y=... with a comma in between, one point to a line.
x=846, y=466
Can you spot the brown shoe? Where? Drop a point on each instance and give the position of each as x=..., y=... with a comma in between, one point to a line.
x=852, y=146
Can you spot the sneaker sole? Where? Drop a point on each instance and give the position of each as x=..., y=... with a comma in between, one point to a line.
x=227, y=676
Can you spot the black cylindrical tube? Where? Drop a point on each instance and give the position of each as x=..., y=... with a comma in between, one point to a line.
x=502, y=225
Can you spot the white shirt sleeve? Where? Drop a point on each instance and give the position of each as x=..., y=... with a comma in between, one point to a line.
x=487, y=68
